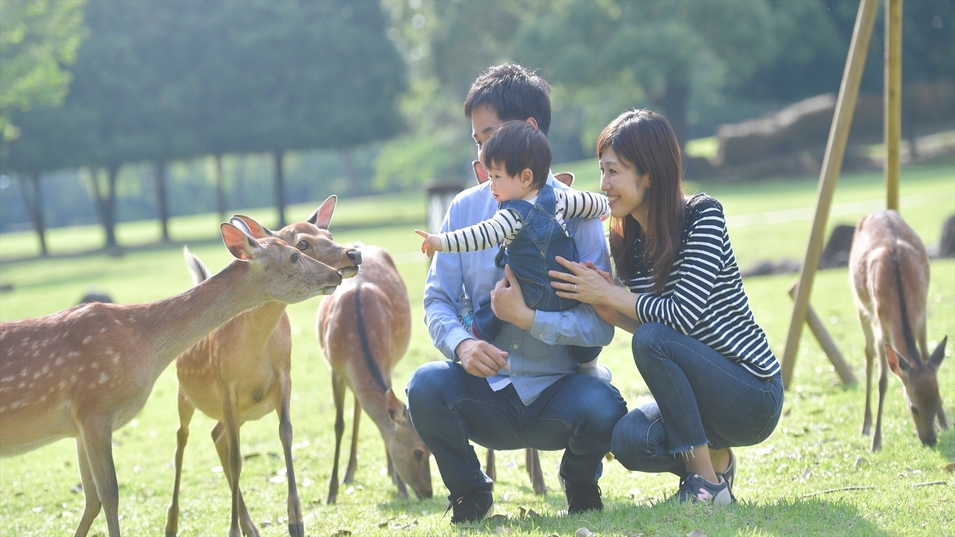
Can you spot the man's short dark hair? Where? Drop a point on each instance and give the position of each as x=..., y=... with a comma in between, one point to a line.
x=513, y=92
x=518, y=146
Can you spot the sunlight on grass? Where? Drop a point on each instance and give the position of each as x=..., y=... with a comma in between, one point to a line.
x=814, y=476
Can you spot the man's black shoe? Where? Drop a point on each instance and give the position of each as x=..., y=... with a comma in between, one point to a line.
x=472, y=506
x=582, y=497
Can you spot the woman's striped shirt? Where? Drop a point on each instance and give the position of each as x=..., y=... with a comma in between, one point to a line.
x=703, y=297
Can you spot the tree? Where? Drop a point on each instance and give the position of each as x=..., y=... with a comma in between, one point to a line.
x=37, y=39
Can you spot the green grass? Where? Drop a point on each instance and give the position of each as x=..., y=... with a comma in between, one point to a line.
x=813, y=476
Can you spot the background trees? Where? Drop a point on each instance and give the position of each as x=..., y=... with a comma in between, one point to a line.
x=182, y=107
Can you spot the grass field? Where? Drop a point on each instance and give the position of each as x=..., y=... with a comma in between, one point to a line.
x=814, y=476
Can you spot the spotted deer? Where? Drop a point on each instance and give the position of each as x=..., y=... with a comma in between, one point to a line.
x=889, y=272
x=364, y=329
x=86, y=371
x=242, y=371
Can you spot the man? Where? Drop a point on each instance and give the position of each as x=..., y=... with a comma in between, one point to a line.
x=520, y=390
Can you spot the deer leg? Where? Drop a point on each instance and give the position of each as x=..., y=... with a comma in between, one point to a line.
x=533, y=463
x=338, y=393
x=353, y=455
x=883, y=384
x=869, y=359
x=222, y=449
x=93, y=505
x=296, y=526
x=186, y=411
x=97, y=442
x=395, y=478
x=942, y=421
x=489, y=468
x=231, y=436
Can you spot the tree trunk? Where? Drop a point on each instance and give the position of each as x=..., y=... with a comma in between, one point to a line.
x=674, y=101
x=106, y=205
x=220, y=189
x=280, y=187
x=34, y=205
x=161, y=205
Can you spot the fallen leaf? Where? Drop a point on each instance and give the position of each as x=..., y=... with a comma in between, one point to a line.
x=584, y=532
x=696, y=533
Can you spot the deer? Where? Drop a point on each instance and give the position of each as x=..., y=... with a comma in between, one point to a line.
x=84, y=372
x=242, y=370
x=889, y=276
x=364, y=329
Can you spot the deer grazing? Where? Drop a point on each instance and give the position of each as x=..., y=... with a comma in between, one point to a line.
x=363, y=330
x=86, y=371
x=889, y=272
x=242, y=370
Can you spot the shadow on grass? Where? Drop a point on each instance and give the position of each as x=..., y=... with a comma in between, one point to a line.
x=946, y=443
x=799, y=516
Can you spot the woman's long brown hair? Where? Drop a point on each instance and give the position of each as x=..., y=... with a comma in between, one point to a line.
x=646, y=143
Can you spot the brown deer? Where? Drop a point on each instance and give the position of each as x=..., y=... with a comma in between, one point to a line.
x=363, y=330
x=889, y=272
x=242, y=371
x=86, y=371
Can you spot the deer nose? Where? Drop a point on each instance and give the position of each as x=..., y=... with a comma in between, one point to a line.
x=354, y=256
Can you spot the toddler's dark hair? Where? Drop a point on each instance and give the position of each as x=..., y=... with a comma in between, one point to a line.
x=518, y=145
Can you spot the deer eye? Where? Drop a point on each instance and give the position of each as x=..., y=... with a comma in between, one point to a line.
x=915, y=410
x=302, y=245
x=418, y=454
x=295, y=257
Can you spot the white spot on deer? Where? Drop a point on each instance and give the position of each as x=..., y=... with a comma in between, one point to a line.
x=73, y=354
x=24, y=372
x=8, y=379
x=62, y=383
x=116, y=359
x=41, y=399
x=103, y=378
x=95, y=365
x=22, y=384
x=46, y=368
x=16, y=404
x=103, y=330
x=87, y=339
x=59, y=361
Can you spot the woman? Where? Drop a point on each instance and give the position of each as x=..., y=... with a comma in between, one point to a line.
x=708, y=365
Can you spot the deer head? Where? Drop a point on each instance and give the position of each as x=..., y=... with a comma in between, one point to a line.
x=920, y=381
x=408, y=452
x=312, y=238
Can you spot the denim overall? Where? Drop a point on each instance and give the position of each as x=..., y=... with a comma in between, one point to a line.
x=531, y=254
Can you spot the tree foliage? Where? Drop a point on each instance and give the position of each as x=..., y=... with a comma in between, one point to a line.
x=38, y=38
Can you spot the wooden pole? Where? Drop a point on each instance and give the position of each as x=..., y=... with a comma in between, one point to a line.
x=825, y=341
x=893, y=100
x=831, y=166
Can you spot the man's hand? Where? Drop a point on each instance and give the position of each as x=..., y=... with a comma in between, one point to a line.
x=507, y=302
x=431, y=243
x=480, y=358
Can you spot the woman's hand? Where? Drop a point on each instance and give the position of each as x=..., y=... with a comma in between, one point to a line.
x=584, y=282
x=507, y=302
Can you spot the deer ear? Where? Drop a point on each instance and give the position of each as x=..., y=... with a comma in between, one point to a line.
x=396, y=409
x=322, y=217
x=897, y=363
x=241, y=245
x=252, y=227
x=565, y=177
x=935, y=362
x=480, y=172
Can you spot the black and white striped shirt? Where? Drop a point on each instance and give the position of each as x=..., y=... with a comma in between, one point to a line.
x=703, y=297
x=504, y=225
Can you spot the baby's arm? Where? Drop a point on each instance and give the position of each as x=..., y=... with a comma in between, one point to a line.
x=579, y=204
x=481, y=236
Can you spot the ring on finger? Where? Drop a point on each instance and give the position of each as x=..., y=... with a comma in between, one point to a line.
x=575, y=287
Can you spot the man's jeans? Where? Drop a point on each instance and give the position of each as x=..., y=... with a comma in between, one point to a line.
x=701, y=397
x=450, y=407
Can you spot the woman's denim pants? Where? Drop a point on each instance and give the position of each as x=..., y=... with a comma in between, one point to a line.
x=701, y=398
